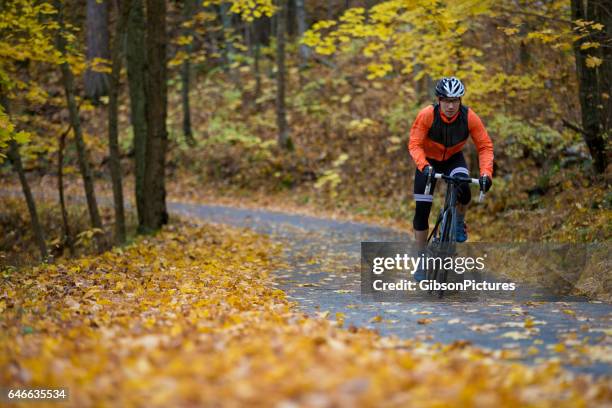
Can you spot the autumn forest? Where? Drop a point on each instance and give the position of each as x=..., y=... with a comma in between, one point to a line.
x=186, y=186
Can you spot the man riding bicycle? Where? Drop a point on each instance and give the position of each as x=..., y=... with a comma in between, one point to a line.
x=437, y=137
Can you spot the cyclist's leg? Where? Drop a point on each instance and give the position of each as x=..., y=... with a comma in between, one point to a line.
x=420, y=222
x=456, y=165
x=423, y=203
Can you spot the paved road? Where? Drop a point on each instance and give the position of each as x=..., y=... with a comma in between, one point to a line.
x=323, y=275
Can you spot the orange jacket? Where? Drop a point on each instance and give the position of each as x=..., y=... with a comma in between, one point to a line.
x=422, y=147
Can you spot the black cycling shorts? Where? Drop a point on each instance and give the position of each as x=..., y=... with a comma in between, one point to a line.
x=453, y=166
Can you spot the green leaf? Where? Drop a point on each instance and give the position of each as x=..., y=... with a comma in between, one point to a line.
x=22, y=137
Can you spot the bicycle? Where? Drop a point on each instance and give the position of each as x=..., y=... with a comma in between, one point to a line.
x=443, y=234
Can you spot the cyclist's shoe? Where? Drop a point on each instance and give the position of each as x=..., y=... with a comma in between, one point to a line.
x=420, y=274
x=461, y=232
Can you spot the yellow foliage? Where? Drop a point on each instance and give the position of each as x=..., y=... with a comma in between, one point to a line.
x=248, y=10
x=184, y=40
x=358, y=125
x=97, y=65
x=178, y=59
x=203, y=17
x=26, y=35
x=593, y=62
x=428, y=38
x=370, y=49
x=378, y=70
x=589, y=44
x=509, y=30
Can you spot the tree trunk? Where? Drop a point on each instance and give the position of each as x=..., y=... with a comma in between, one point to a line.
x=123, y=10
x=473, y=158
x=423, y=86
x=155, y=214
x=227, y=26
x=137, y=73
x=604, y=10
x=301, y=25
x=258, y=39
x=67, y=239
x=263, y=30
x=274, y=24
x=290, y=18
x=15, y=158
x=284, y=140
x=229, y=50
x=593, y=82
x=186, y=84
x=75, y=122
x=248, y=40
x=186, y=74
x=96, y=83
x=257, y=73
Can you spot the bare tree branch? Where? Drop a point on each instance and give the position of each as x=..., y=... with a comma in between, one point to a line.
x=574, y=127
x=540, y=16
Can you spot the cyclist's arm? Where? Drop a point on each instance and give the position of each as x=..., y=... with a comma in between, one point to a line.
x=483, y=143
x=418, y=133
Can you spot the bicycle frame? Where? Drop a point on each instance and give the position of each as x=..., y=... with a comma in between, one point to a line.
x=444, y=243
x=442, y=231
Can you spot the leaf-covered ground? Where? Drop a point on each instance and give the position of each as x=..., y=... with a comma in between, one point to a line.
x=191, y=317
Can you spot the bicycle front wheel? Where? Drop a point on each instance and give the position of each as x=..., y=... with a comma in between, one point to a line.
x=447, y=243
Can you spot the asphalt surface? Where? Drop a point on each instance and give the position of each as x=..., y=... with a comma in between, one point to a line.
x=322, y=275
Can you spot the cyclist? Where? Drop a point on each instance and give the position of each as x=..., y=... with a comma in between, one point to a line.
x=437, y=137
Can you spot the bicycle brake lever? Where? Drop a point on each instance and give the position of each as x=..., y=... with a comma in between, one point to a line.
x=428, y=185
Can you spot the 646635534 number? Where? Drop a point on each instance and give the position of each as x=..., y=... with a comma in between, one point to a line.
x=30, y=394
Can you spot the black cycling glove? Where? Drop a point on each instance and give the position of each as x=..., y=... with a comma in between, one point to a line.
x=428, y=171
x=485, y=183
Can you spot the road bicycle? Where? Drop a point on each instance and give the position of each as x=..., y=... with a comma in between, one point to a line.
x=444, y=242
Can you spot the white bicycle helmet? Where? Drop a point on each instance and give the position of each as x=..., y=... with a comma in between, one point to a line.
x=450, y=88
